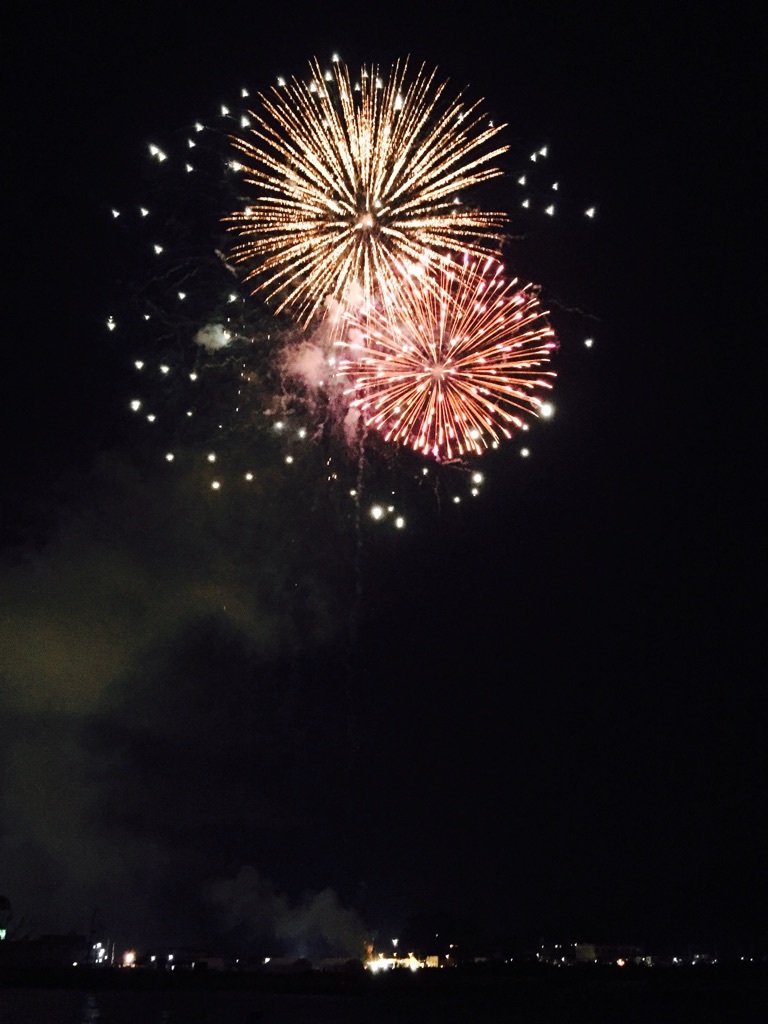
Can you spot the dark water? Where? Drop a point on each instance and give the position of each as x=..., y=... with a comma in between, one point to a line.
x=27, y=1006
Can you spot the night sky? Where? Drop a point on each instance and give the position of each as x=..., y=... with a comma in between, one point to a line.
x=244, y=718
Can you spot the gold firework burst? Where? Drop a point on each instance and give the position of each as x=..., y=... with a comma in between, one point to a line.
x=458, y=368
x=347, y=176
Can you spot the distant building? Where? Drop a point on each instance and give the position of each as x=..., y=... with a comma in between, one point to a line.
x=47, y=951
x=591, y=953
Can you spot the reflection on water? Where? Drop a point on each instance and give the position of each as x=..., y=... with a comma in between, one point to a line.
x=484, y=1004
x=91, y=1010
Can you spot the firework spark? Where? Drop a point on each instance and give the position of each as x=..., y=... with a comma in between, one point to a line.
x=347, y=176
x=460, y=367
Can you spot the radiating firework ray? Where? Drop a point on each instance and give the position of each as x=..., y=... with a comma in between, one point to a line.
x=347, y=176
x=461, y=365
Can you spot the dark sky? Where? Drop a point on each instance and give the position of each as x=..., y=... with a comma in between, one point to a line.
x=248, y=716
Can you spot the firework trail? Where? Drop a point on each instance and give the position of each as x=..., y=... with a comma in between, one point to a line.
x=348, y=176
x=370, y=399
x=459, y=367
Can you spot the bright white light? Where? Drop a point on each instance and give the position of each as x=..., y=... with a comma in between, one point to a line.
x=135, y=405
x=543, y=151
x=111, y=325
x=115, y=213
x=189, y=168
x=151, y=418
x=525, y=452
x=182, y=296
x=546, y=409
x=224, y=111
x=169, y=456
x=199, y=127
x=521, y=180
x=590, y=212
x=144, y=211
x=215, y=486
x=244, y=93
x=399, y=522
x=477, y=478
x=279, y=425
x=280, y=81
x=550, y=210
x=211, y=456
x=302, y=433
x=377, y=511
x=555, y=186
x=139, y=364
x=249, y=476
x=158, y=249
x=289, y=459
x=525, y=203
x=589, y=342
x=244, y=121
x=193, y=376
x=456, y=499
x=165, y=369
